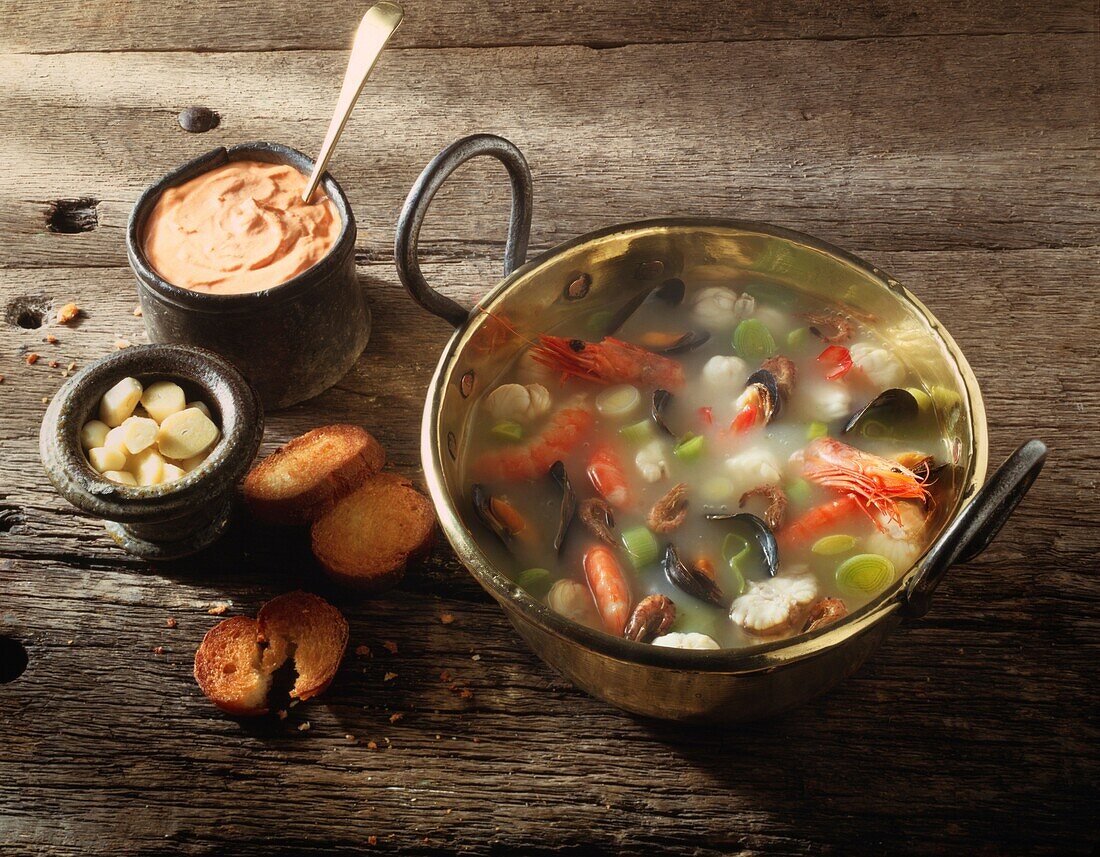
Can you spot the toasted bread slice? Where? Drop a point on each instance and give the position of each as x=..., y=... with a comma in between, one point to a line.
x=228, y=667
x=308, y=629
x=235, y=663
x=368, y=537
x=300, y=480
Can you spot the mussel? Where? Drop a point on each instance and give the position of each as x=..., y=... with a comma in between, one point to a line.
x=686, y=342
x=661, y=400
x=497, y=514
x=890, y=407
x=760, y=533
x=670, y=293
x=568, y=502
x=692, y=579
x=762, y=387
x=784, y=371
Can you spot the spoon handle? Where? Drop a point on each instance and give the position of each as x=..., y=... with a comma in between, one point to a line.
x=374, y=31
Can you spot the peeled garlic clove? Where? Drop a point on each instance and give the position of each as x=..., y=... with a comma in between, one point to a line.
x=186, y=433
x=104, y=458
x=163, y=399
x=116, y=439
x=189, y=464
x=119, y=402
x=139, y=433
x=147, y=467
x=93, y=433
x=202, y=407
x=121, y=476
x=171, y=473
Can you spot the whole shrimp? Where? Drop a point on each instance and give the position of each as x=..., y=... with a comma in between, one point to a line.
x=531, y=461
x=877, y=481
x=610, y=361
x=609, y=588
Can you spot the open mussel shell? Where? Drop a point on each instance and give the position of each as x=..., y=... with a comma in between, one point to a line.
x=483, y=508
x=687, y=342
x=568, y=502
x=693, y=581
x=759, y=531
x=890, y=407
x=768, y=387
x=661, y=400
x=670, y=293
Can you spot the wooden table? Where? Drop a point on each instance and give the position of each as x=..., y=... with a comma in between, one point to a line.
x=952, y=143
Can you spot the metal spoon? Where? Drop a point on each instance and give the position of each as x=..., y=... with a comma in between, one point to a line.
x=374, y=31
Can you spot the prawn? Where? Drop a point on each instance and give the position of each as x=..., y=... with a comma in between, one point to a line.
x=609, y=588
x=608, y=478
x=533, y=460
x=804, y=529
x=877, y=481
x=609, y=361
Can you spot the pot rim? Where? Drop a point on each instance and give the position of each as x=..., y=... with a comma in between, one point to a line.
x=244, y=301
x=763, y=656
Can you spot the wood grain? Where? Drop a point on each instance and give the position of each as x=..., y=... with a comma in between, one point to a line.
x=873, y=161
x=35, y=26
x=952, y=144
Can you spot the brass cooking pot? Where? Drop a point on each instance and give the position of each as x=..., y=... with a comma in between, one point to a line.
x=606, y=268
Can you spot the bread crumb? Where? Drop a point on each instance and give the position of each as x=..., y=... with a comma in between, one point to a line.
x=372, y=840
x=137, y=311
x=466, y=693
x=351, y=738
x=476, y=740
x=445, y=675
x=218, y=609
x=389, y=676
x=159, y=650
x=447, y=618
x=170, y=622
x=372, y=745
x=397, y=717
x=45, y=400
x=1, y=379
x=475, y=657
x=390, y=646
x=281, y=714
x=70, y=642
x=362, y=651
x=303, y=726
x=120, y=344
x=71, y=366
x=67, y=313
x=32, y=358
x=50, y=338
x=53, y=364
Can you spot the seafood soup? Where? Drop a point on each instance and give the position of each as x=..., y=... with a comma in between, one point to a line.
x=707, y=466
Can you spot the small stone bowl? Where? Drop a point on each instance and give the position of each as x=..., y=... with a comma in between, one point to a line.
x=292, y=341
x=174, y=519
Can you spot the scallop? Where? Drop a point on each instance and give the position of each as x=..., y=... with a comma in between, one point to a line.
x=688, y=640
x=773, y=606
x=755, y=467
x=879, y=365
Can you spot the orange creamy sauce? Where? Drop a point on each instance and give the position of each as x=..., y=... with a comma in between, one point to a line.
x=242, y=227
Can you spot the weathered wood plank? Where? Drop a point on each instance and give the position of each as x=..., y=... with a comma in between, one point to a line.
x=924, y=143
x=101, y=25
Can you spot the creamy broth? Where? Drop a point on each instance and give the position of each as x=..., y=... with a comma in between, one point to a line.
x=838, y=546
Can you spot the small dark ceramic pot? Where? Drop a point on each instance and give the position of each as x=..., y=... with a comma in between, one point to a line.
x=174, y=519
x=292, y=341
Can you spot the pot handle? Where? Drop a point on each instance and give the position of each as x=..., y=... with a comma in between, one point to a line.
x=420, y=198
x=977, y=525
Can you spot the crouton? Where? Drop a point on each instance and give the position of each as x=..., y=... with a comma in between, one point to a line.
x=299, y=481
x=367, y=538
x=308, y=629
x=235, y=663
x=228, y=668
